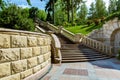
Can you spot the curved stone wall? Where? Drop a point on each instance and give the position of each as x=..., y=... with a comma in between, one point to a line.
x=107, y=34
x=24, y=55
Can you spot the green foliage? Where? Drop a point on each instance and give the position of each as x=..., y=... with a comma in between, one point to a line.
x=42, y=15
x=118, y=5
x=100, y=9
x=112, y=6
x=33, y=12
x=16, y=18
x=83, y=29
x=2, y=4
x=92, y=11
x=118, y=55
x=66, y=24
x=112, y=16
x=28, y=1
x=60, y=15
x=83, y=12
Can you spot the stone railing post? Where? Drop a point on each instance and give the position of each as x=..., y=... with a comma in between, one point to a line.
x=60, y=29
x=56, y=53
x=77, y=38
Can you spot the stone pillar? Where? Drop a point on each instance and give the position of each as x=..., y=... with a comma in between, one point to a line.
x=60, y=29
x=77, y=37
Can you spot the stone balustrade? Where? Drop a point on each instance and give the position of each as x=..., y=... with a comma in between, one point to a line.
x=98, y=46
x=24, y=55
x=55, y=43
x=79, y=38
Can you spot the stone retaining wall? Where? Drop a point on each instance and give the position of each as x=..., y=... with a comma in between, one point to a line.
x=108, y=34
x=23, y=54
x=104, y=34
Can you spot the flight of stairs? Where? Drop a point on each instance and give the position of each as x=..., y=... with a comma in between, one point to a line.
x=80, y=53
x=72, y=52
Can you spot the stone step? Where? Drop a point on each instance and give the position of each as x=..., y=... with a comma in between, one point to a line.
x=82, y=56
x=78, y=51
x=83, y=60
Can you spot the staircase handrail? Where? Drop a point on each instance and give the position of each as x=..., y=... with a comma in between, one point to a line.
x=68, y=34
x=56, y=45
x=97, y=45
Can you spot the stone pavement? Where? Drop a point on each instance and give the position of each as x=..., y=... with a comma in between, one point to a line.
x=95, y=70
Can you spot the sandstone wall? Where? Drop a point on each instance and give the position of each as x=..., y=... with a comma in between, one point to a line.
x=23, y=54
x=105, y=33
x=109, y=34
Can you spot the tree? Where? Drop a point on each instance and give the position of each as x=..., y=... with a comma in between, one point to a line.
x=41, y=14
x=67, y=7
x=100, y=9
x=75, y=4
x=2, y=4
x=16, y=18
x=33, y=12
x=118, y=5
x=112, y=7
x=83, y=12
x=92, y=11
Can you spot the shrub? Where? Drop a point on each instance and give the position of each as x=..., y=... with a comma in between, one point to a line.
x=112, y=16
x=16, y=18
x=96, y=21
x=89, y=22
x=118, y=55
x=66, y=24
x=42, y=15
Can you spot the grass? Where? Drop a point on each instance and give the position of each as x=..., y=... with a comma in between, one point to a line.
x=83, y=29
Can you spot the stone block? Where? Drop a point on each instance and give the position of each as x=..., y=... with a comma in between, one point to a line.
x=32, y=62
x=44, y=49
x=32, y=41
x=40, y=59
x=49, y=60
x=36, y=51
x=9, y=55
x=47, y=56
x=18, y=66
x=26, y=53
x=19, y=41
x=47, y=41
x=36, y=69
x=26, y=73
x=40, y=41
x=5, y=70
x=44, y=64
x=49, y=48
x=4, y=41
x=12, y=77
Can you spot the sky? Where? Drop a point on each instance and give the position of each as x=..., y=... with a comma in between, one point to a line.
x=41, y=5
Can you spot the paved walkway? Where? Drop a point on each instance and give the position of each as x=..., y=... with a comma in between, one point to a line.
x=97, y=70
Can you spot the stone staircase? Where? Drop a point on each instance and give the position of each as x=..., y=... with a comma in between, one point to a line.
x=80, y=53
x=72, y=52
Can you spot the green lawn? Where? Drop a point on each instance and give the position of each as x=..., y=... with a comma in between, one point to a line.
x=84, y=29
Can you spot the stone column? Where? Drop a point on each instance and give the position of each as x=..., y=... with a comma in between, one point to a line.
x=60, y=29
x=77, y=37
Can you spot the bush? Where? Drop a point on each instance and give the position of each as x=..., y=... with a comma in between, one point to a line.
x=118, y=55
x=89, y=22
x=66, y=24
x=42, y=15
x=16, y=18
x=112, y=16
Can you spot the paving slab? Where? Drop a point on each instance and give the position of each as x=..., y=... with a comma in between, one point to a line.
x=108, y=69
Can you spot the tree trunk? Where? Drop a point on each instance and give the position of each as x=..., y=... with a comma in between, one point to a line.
x=53, y=12
x=72, y=12
x=68, y=10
